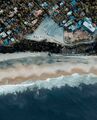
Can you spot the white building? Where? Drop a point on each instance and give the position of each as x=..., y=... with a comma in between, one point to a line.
x=89, y=26
x=3, y=34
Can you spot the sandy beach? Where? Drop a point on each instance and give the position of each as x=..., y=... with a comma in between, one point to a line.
x=21, y=74
x=21, y=67
x=19, y=80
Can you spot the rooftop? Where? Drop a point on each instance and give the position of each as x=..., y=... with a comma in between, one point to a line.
x=19, y=18
x=48, y=30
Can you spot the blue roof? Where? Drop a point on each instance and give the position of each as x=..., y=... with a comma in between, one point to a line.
x=6, y=42
x=73, y=2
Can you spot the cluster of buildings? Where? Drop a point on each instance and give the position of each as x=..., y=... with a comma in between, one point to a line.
x=20, y=17
x=17, y=18
x=68, y=14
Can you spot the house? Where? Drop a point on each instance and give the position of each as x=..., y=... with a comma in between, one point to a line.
x=73, y=2
x=1, y=11
x=9, y=32
x=37, y=13
x=45, y=5
x=12, y=40
x=6, y=42
x=62, y=3
x=69, y=13
x=70, y=22
x=72, y=28
x=88, y=26
x=3, y=34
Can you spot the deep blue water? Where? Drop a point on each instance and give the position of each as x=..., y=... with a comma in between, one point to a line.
x=66, y=103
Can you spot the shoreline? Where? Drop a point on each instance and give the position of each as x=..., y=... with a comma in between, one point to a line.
x=45, y=76
x=23, y=67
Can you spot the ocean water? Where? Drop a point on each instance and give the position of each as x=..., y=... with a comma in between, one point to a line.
x=71, y=97
x=64, y=98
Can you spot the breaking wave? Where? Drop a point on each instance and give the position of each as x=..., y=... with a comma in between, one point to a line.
x=70, y=97
x=75, y=80
x=64, y=98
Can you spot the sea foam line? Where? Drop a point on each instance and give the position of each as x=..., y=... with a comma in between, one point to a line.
x=19, y=55
x=75, y=80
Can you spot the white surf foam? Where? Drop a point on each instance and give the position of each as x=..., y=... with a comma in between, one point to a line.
x=24, y=71
x=18, y=55
x=75, y=80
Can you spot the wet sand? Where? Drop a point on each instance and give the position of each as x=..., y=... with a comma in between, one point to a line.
x=13, y=77
x=38, y=68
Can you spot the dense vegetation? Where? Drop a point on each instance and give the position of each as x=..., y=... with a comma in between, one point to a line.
x=90, y=6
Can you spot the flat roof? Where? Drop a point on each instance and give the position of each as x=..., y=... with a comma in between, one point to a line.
x=49, y=30
x=89, y=26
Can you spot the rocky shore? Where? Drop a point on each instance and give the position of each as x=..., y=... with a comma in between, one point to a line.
x=43, y=46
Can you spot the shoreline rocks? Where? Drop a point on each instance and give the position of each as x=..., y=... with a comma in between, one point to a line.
x=33, y=46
